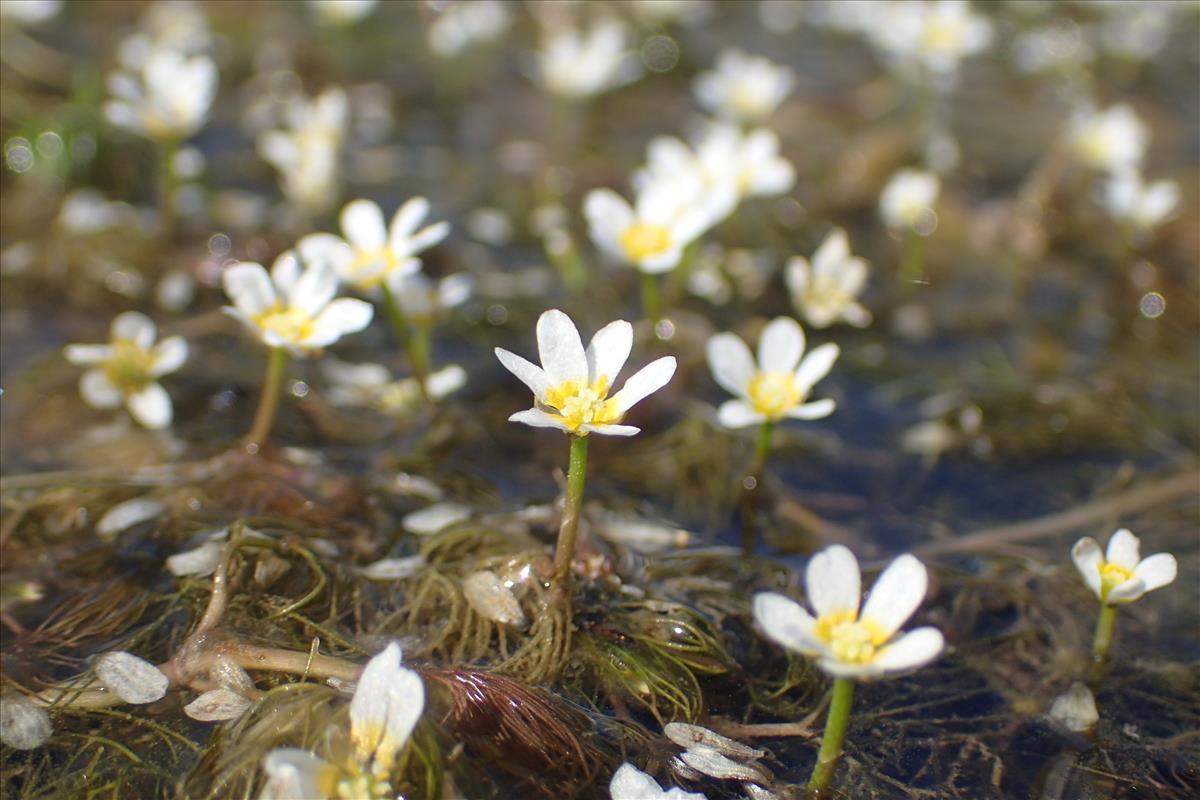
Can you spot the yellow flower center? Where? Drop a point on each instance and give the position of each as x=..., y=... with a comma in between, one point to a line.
x=364, y=271
x=129, y=367
x=942, y=37
x=855, y=641
x=643, y=240
x=289, y=324
x=1095, y=146
x=746, y=99
x=1112, y=576
x=578, y=404
x=773, y=393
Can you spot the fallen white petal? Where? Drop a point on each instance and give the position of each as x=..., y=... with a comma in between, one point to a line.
x=217, y=705
x=1075, y=709
x=393, y=569
x=133, y=679
x=435, y=518
x=689, y=736
x=491, y=599
x=197, y=562
x=24, y=725
x=126, y=515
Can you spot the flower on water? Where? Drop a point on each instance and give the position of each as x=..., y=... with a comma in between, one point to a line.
x=630, y=783
x=372, y=251
x=571, y=388
x=651, y=234
x=306, y=152
x=290, y=308
x=578, y=64
x=907, y=201
x=1109, y=140
x=743, y=88
x=827, y=290
x=127, y=369
x=1117, y=575
x=778, y=385
x=387, y=704
x=1129, y=198
x=845, y=641
x=168, y=99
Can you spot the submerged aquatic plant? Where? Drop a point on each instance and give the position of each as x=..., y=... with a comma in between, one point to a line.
x=1118, y=576
x=571, y=393
x=847, y=643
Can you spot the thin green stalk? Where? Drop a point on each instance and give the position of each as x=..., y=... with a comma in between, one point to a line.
x=1104, y=632
x=682, y=271
x=564, y=550
x=269, y=402
x=651, y=300
x=762, y=445
x=168, y=185
x=418, y=358
x=835, y=734
x=911, y=258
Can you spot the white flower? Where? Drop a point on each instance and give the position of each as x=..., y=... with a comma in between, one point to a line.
x=570, y=389
x=306, y=152
x=907, y=200
x=1128, y=197
x=651, y=235
x=422, y=299
x=1118, y=576
x=169, y=99
x=386, y=706
x=630, y=783
x=342, y=12
x=576, y=64
x=290, y=308
x=465, y=24
x=827, y=290
x=845, y=642
x=778, y=385
x=127, y=368
x=742, y=87
x=373, y=252
x=1109, y=140
x=946, y=31
x=29, y=12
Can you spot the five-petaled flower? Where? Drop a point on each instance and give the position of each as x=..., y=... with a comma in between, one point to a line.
x=1118, y=576
x=845, y=642
x=827, y=290
x=779, y=385
x=743, y=87
x=651, y=235
x=127, y=368
x=571, y=388
x=292, y=308
x=906, y=202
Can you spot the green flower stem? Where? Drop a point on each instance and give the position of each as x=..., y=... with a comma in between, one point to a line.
x=911, y=258
x=651, y=299
x=835, y=734
x=269, y=402
x=762, y=445
x=417, y=351
x=682, y=271
x=1104, y=631
x=168, y=185
x=564, y=550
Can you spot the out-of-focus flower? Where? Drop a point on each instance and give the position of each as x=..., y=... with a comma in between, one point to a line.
x=388, y=701
x=176, y=27
x=423, y=300
x=373, y=252
x=578, y=64
x=571, y=388
x=665, y=12
x=372, y=386
x=29, y=12
x=743, y=88
x=630, y=783
x=827, y=290
x=342, y=12
x=290, y=308
x=1119, y=575
x=907, y=201
x=1061, y=47
x=778, y=386
x=127, y=369
x=845, y=642
x=1129, y=198
x=306, y=152
x=1111, y=140
x=652, y=234
x=465, y=24
x=169, y=99
x=930, y=37
x=1137, y=31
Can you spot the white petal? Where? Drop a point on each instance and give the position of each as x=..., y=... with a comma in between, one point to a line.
x=249, y=288
x=169, y=355
x=646, y=381
x=710, y=762
x=407, y=218
x=342, y=316
x=389, y=700
x=786, y=622
x=445, y=381
x=1157, y=571
x=1123, y=549
x=781, y=345
x=127, y=514
x=24, y=725
x=896, y=594
x=832, y=581
x=1088, y=558
x=832, y=252
x=611, y=430
x=435, y=518
x=426, y=238
x=536, y=418
x=796, y=275
x=314, y=289
x=326, y=249
x=393, y=569
x=608, y=214
x=98, y=391
x=731, y=363
x=363, y=226
x=217, y=705
x=294, y=774
x=530, y=374
x=86, y=354
x=738, y=414
x=560, y=348
x=133, y=679
x=913, y=649
x=134, y=327
x=491, y=599
x=816, y=365
x=197, y=562
x=1126, y=592
x=454, y=290
x=818, y=409
x=151, y=406
x=285, y=272
x=608, y=351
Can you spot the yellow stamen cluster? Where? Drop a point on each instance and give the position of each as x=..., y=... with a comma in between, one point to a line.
x=290, y=324
x=773, y=394
x=852, y=640
x=941, y=36
x=129, y=367
x=577, y=403
x=644, y=240
x=367, y=279
x=1112, y=576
